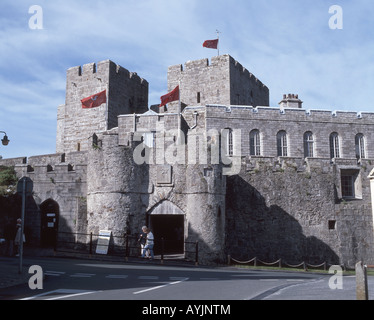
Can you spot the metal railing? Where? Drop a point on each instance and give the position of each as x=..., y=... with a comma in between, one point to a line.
x=124, y=246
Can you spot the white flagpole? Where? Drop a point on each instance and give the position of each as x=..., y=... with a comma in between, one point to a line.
x=179, y=113
x=218, y=32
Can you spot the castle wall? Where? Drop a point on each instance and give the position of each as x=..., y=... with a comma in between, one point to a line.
x=126, y=93
x=57, y=177
x=292, y=209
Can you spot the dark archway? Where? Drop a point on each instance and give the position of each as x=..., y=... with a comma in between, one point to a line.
x=50, y=213
x=167, y=222
x=171, y=229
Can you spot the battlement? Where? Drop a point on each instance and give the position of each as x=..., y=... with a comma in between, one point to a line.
x=105, y=67
x=288, y=114
x=216, y=62
x=47, y=163
x=126, y=93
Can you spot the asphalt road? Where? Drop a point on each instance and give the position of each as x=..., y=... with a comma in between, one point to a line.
x=70, y=279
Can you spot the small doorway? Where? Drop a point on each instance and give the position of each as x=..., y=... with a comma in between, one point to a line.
x=49, y=222
x=170, y=227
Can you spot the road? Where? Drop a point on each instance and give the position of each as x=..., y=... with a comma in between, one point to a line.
x=70, y=279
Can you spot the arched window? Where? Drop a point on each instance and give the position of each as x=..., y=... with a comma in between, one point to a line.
x=334, y=145
x=254, y=143
x=360, y=146
x=308, y=145
x=228, y=142
x=282, y=144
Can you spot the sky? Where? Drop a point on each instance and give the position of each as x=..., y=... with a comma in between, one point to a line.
x=292, y=46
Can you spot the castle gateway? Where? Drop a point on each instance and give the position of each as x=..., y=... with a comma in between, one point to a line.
x=229, y=171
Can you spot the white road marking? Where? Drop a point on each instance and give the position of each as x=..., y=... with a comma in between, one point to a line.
x=70, y=292
x=72, y=295
x=162, y=286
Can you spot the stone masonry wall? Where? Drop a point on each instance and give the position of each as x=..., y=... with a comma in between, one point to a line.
x=290, y=208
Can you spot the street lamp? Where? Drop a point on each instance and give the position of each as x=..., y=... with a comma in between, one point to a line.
x=5, y=140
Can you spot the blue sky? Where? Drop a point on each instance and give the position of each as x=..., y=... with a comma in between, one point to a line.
x=287, y=44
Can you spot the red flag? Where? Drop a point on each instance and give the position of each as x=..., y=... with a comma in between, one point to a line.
x=212, y=44
x=169, y=97
x=94, y=100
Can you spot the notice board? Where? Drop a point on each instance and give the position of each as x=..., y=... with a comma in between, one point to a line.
x=103, y=242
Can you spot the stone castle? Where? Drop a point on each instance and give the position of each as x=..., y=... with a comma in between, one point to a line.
x=239, y=176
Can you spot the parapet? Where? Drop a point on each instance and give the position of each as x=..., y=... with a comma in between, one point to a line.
x=289, y=114
x=103, y=68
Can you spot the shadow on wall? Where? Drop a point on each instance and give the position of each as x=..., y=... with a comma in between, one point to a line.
x=11, y=210
x=268, y=233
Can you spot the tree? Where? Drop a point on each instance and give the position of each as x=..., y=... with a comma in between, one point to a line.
x=8, y=180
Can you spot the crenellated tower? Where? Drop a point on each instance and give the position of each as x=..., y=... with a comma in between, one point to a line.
x=223, y=81
x=127, y=93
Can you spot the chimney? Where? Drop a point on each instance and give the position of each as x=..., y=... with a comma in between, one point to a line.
x=291, y=101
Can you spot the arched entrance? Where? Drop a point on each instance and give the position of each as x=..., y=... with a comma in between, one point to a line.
x=167, y=221
x=50, y=212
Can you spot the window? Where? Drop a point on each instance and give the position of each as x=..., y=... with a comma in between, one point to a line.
x=254, y=143
x=347, y=186
x=198, y=97
x=360, y=146
x=308, y=145
x=149, y=139
x=332, y=224
x=351, y=184
x=282, y=144
x=227, y=136
x=334, y=145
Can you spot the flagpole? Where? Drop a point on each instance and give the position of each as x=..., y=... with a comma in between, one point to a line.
x=218, y=39
x=179, y=113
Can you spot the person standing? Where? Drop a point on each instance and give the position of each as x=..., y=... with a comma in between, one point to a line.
x=19, y=237
x=142, y=240
x=149, y=243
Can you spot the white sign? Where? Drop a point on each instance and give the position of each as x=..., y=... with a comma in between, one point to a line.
x=103, y=242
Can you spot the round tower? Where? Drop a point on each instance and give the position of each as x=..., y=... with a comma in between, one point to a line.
x=117, y=188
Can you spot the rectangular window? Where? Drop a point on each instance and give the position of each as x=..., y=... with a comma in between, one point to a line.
x=332, y=224
x=198, y=97
x=149, y=139
x=351, y=187
x=348, y=190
